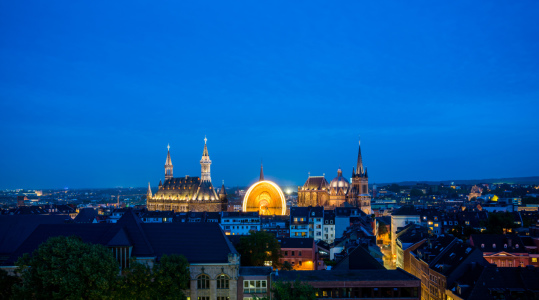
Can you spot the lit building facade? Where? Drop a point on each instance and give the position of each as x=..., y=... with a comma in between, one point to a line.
x=187, y=193
x=318, y=192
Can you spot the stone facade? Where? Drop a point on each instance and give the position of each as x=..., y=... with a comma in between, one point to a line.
x=213, y=271
x=182, y=194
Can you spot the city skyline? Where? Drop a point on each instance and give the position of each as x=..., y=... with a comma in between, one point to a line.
x=92, y=93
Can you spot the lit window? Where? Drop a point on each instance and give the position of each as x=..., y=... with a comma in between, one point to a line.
x=203, y=282
x=222, y=281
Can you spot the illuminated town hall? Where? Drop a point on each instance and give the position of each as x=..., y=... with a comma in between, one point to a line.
x=187, y=193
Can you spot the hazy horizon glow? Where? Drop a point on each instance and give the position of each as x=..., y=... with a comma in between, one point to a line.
x=92, y=92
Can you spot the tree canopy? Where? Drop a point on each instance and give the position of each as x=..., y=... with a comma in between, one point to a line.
x=296, y=291
x=169, y=277
x=258, y=248
x=67, y=268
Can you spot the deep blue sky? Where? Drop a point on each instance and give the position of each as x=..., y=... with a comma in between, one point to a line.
x=92, y=91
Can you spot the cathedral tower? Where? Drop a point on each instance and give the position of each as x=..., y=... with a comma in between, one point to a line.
x=168, y=165
x=205, y=164
x=360, y=186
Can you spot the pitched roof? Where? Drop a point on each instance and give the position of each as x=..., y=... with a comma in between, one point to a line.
x=315, y=183
x=509, y=243
x=500, y=283
x=297, y=243
x=347, y=275
x=359, y=259
x=253, y=271
x=198, y=242
x=15, y=229
x=406, y=210
x=85, y=215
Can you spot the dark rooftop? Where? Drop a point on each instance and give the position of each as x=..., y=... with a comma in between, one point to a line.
x=297, y=242
x=346, y=275
x=250, y=271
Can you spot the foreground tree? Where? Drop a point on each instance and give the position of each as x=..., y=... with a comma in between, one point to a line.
x=258, y=248
x=67, y=268
x=169, y=277
x=7, y=282
x=288, y=291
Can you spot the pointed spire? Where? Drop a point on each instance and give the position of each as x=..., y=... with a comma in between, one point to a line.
x=359, y=168
x=261, y=172
x=205, y=153
x=160, y=183
x=353, y=171
x=149, y=192
x=223, y=190
x=366, y=174
x=168, y=162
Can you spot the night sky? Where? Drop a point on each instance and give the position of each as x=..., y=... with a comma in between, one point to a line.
x=91, y=92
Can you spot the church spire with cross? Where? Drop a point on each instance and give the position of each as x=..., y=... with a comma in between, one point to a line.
x=168, y=165
x=205, y=163
x=359, y=168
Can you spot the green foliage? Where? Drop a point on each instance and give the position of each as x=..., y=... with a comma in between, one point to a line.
x=463, y=232
x=395, y=188
x=259, y=247
x=67, y=268
x=296, y=291
x=7, y=282
x=169, y=277
x=497, y=222
x=416, y=193
x=287, y=266
x=329, y=262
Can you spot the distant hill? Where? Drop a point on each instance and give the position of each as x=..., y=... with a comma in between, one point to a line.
x=511, y=180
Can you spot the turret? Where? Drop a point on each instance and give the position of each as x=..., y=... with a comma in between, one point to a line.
x=261, y=172
x=149, y=192
x=222, y=192
x=168, y=165
x=205, y=164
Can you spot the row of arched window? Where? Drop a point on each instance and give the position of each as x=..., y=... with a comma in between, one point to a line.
x=203, y=282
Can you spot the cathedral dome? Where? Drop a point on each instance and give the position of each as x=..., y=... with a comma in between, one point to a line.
x=339, y=182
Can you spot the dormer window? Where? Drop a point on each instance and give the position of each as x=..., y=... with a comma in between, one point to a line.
x=482, y=245
x=516, y=246
x=505, y=246
x=312, y=214
x=494, y=246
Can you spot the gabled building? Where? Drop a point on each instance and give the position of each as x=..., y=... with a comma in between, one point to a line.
x=214, y=262
x=240, y=223
x=187, y=193
x=503, y=250
x=302, y=254
x=399, y=219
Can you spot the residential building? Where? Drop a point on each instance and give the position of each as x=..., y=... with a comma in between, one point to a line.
x=400, y=218
x=240, y=223
x=302, y=254
x=503, y=250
